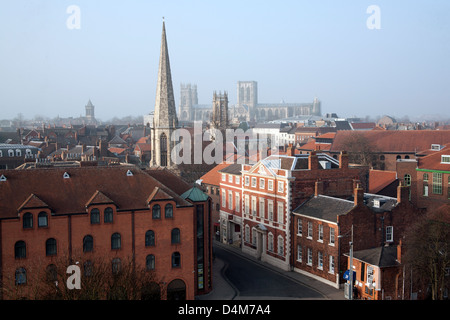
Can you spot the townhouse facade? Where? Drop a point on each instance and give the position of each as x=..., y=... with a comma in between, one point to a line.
x=51, y=216
x=326, y=227
x=257, y=200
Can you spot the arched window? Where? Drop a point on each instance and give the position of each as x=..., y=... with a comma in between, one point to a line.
x=88, y=243
x=150, y=262
x=382, y=158
x=168, y=211
x=163, y=149
x=115, y=241
x=156, y=211
x=42, y=219
x=176, y=260
x=407, y=179
x=175, y=236
x=280, y=246
x=20, y=250
x=50, y=247
x=95, y=216
x=27, y=220
x=21, y=276
x=150, y=238
x=398, y=157
x=108, y=215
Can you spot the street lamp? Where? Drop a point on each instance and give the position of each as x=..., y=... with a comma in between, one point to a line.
x=350, y=273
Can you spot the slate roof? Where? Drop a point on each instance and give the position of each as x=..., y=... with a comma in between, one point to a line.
x=385, y=256
x=324, y=208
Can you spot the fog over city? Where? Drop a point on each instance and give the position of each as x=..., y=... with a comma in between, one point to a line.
x=359, y=58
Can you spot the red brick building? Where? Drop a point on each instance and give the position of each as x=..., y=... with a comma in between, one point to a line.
x=274, y=186
x=391, y=145
x=325, y=226
x=428, y=176
x=116, y=213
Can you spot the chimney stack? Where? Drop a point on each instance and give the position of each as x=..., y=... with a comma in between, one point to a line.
x=313, y=161
x=343, y=160
x=358, y=194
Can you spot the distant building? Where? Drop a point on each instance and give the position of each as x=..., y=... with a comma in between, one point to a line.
x=247, y=107
x=14, y=155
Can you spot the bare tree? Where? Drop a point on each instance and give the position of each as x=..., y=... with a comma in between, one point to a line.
x=101, y=279
x=428, y=251
x=361, y=150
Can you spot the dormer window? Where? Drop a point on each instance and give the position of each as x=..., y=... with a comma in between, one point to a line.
x=445, y=159
x=66, y=175
x=376, y=203
x=2, y=178
x=129, y=173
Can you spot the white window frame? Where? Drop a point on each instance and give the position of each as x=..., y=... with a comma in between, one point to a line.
x=230, y=178
x=331, y=264
x=310, y=230
x=270, y=242
x=320, y=230
x=262, y=204
x=280, y=246
x=224, y=198
x=246, y=205
x=261, y=183
x=237, y=201
x=280, y=186
x=320, y=260
x=253, y=182
x=299, y=227
x=254, y=207
x=332, y=237
x=238, y=180
x=269, y=211
x=280, y=212
x=299, y=253
x=230, y=200
x=270, y=185
x=389, y=234
x=309, y=257
x=247, y=180
x=224, y=177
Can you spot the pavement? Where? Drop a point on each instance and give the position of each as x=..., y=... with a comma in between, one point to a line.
x=223, y=289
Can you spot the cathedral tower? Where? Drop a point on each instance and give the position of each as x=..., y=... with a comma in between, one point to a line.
x=165, y=119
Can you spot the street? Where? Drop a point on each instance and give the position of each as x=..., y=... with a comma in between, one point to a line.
x=252, y=280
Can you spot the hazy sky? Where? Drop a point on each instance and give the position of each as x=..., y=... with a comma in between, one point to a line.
x=295, y=50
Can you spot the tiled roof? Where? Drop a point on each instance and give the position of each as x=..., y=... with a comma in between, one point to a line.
x=379, y=179
x=395, y=141
x=433, y=160
x=70, y=195
x=213, y=177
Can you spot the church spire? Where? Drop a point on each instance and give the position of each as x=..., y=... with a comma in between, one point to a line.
x=165, y=114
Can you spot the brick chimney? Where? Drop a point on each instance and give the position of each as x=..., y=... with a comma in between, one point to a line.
x=402, y=193
x=343, y=160
x=313, y=161
x=290, y=151
x=399, y=251
x=358, y=194
x=318, y=188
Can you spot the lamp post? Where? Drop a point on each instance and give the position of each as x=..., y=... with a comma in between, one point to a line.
x=350, y=273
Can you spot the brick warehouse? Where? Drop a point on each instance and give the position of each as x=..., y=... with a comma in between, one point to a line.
x=46, y=215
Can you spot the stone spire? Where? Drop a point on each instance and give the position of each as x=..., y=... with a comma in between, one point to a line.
x=165, y=114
